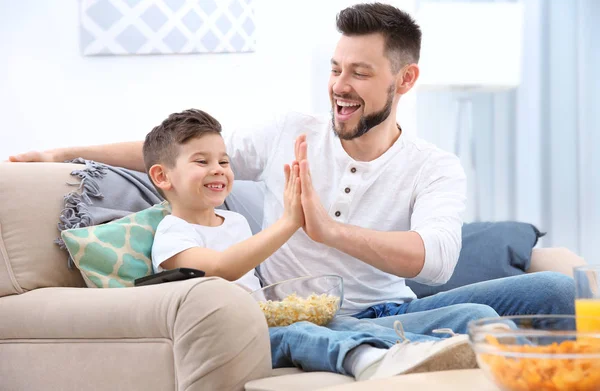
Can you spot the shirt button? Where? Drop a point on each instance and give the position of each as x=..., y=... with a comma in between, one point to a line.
x=347, y=190
x=353, y=170
x=337, y=214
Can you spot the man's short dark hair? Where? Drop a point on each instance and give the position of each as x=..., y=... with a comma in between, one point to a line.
x=401, y=33
x=163, y=142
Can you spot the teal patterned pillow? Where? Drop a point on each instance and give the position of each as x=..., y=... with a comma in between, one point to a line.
x=115, y=254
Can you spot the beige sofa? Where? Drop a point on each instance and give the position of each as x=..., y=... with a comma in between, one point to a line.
x=55, y=334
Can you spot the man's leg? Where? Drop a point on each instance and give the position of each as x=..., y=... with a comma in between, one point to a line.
x=413, y=352
x=528, y=294
x=455, y=317
x=364, y=349
x=314, y=348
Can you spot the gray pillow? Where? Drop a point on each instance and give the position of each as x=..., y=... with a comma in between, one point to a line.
x=490, y=250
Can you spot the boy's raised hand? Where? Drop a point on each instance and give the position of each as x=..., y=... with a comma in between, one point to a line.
x=292, y=195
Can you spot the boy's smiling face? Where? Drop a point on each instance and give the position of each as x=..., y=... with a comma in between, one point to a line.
x=202, y=177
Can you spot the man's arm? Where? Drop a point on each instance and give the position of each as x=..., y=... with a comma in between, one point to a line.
x=428, y=253
x=399, y=253
x=248, y=147
x=125, y=154
x=251, y=146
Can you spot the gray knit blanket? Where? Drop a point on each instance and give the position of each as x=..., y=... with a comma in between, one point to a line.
x=104, y=193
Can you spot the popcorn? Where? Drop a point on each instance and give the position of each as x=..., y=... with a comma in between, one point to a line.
x=318, y=309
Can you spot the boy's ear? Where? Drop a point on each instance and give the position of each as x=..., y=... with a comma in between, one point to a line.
x=159, y=177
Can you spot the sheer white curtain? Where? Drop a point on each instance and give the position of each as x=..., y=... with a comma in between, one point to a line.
x=535, y=147
x=562, y=78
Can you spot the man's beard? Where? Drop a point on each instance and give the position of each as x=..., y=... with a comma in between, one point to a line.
x=366, y=122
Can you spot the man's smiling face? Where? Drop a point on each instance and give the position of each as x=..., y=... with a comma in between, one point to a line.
x=361, y=85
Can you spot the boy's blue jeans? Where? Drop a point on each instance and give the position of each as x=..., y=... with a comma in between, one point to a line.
x=314, y=348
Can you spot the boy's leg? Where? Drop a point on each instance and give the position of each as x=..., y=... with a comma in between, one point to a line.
x=528, y=294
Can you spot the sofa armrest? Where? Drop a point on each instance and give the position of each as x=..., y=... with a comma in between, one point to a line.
x=556, y=259
x=219, y=335
x=31, y=200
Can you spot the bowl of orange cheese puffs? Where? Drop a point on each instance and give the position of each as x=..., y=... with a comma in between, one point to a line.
x=538, y=352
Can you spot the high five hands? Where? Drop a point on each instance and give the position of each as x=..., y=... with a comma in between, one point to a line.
x=318, y=225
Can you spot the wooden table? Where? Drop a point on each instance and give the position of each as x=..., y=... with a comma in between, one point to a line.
x=458, y=380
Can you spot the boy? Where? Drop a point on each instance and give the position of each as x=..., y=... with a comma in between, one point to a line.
x=185, y=158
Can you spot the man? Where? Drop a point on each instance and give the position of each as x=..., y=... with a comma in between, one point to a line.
x=379, y=206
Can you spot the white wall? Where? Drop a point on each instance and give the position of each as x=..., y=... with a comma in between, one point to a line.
x=52, y=96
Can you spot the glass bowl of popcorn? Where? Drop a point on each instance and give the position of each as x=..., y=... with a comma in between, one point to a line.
x=538, y=352
x=315, y=299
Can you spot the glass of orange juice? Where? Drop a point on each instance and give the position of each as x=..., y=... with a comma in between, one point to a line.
x=587, y=297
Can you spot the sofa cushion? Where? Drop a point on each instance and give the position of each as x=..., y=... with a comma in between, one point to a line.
x=490, y=250
x=115, y=254
x=31, y=198
x=55, y=364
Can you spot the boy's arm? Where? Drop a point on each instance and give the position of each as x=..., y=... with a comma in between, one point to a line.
x=238, y=259
x=126, y=154
x=242, y=257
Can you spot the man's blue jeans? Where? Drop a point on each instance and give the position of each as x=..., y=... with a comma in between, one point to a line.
x=314, y=348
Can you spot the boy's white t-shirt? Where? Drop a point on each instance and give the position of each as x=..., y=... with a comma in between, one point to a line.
x=174, y=235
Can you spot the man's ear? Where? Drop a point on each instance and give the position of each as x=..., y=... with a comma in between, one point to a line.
x=159, y=177
x=406, y=79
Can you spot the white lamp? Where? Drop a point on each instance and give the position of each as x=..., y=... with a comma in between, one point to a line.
x=468, y=47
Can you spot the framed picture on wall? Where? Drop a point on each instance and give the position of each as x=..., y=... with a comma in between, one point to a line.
x=131, y=27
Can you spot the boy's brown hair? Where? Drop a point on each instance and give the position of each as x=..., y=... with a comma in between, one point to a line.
x=162, y=144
